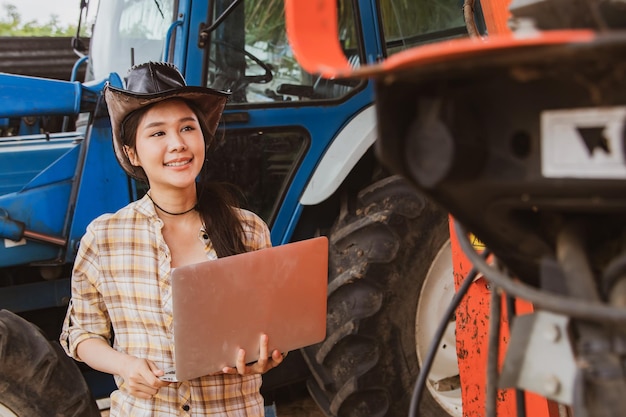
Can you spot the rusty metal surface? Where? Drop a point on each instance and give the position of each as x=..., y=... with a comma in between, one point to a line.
x=48, y=57
x=472, y=323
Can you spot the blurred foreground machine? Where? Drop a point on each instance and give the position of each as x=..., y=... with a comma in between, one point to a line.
x=301, y=150
x=521, y=136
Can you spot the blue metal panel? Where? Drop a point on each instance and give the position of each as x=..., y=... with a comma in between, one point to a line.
x=10, y=229
x=43, y=210
x=61, y=170
x=278, y=239
x=30, y=96
x=193, y=56
x=42, y=204
x=372, y=37
x=24, y=158
x=114, y=79
x=35, y=296
x=103, y=186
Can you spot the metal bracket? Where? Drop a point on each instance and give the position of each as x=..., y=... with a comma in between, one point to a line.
x=540, y=357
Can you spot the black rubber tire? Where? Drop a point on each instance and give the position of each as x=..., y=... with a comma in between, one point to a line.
x=382, y=247
x=37, y=378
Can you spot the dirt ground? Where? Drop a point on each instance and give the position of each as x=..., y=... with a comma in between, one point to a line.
x=295, y=403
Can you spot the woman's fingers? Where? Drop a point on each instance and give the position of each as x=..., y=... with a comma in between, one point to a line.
x=264, y=364
x=156, y=382
x=241, y=362
x=142, y=378
x=143, y=391
x=277, y=357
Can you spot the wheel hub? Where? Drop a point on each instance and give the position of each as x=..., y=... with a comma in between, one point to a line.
x=437, y=292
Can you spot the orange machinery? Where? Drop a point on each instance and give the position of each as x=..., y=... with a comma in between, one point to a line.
x=524, y=219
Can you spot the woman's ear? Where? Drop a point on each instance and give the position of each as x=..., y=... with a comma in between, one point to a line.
x=131, y=155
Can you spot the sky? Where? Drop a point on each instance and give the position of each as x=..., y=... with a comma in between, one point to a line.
x=41, y=10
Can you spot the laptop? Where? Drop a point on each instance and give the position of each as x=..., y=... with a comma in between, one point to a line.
x=226, y=304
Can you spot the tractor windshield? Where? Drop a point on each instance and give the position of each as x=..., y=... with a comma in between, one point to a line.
x=129, y=32
x=408, y=24
x=251, y=57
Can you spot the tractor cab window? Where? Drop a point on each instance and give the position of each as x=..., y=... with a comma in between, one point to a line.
x=250, y=56
x=410, y=23
x=129, y=32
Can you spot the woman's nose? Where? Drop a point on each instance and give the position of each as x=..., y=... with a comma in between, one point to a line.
x=177, y=143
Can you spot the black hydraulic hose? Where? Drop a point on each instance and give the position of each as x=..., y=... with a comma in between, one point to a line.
x=589, y=310
x=441, y=328
x=493, y=351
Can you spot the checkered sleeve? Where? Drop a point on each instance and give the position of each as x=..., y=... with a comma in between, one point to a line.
x=257, y=234
x=87, y=314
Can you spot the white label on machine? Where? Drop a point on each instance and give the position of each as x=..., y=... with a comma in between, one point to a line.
x=583, y=143
x=8, y=243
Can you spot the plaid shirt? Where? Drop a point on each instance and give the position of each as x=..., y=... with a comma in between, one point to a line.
x=121, y=280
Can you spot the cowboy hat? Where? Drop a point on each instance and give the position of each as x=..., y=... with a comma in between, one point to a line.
x=150, y=83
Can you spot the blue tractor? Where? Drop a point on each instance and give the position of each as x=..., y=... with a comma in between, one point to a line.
x=301, y=149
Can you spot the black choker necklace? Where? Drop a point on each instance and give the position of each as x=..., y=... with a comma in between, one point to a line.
x=169, y=212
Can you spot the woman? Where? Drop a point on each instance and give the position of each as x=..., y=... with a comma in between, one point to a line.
x=120, y=282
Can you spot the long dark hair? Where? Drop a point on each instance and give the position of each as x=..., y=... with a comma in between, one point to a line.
x=217, y=205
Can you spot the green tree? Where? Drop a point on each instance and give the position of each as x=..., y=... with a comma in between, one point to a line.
x=11, y=24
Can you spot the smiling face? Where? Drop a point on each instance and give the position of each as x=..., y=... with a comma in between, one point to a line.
x=169, y=145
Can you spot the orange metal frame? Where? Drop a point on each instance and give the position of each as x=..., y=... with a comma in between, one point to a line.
x=472, y=324
x=313, y=35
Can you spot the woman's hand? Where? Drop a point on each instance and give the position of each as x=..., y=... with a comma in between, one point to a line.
x=264, y=364
x=141, y=378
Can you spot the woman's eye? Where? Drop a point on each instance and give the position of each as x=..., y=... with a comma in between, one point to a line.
x=188, y=128
x=159, y=133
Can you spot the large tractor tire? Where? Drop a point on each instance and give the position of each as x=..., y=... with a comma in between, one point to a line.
x=37, y=378
x=390, y=280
